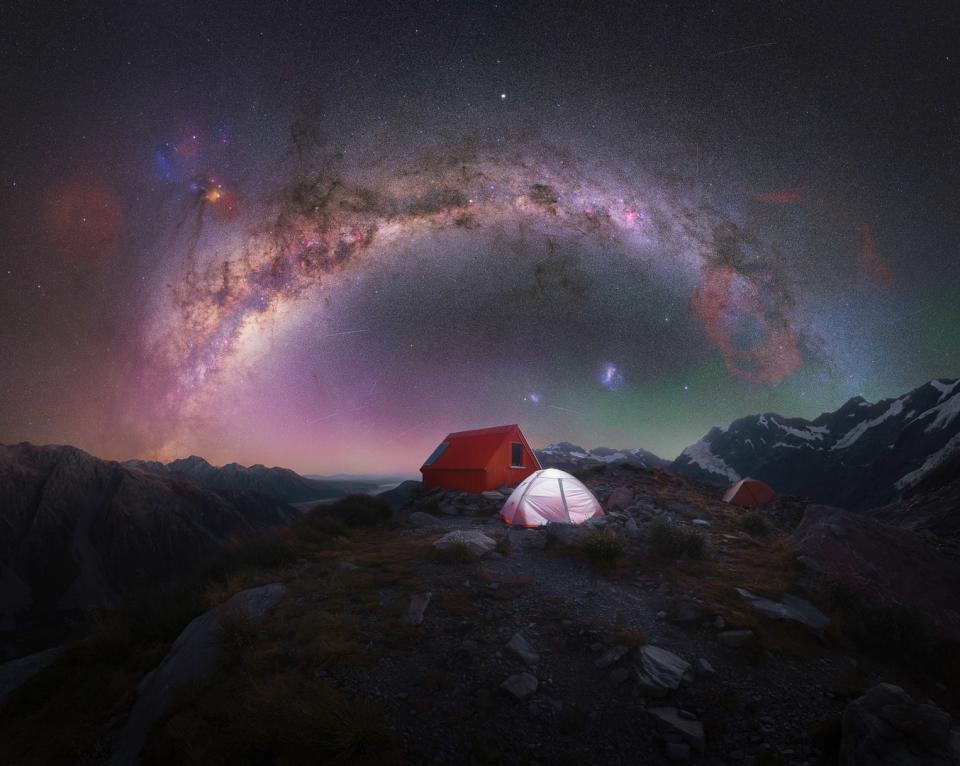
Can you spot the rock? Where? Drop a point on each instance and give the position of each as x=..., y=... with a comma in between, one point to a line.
x=660, y=671
x=402, y=494
x=701, y=523
x=886, y=727
x=619, y=499
x=421, y=519
x=632, y=530
x=788, y=608
x=704, y=668
x=734, y=639
x=719, y=623
x=678, y=751
x=521, y=647
x=476, y=542
x=520, y=685
x=566, y=535
x=448, y=509
x=15, y=673
x=416, y=608
x=612, y=656
x=493, y=495
x=191, y=661
x=345, y=566
x=669, y=721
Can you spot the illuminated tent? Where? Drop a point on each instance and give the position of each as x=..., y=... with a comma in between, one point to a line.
x=550, y=495
x=474, y=461
x=749, y=493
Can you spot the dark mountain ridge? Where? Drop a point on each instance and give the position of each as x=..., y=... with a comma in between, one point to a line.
x=860, y=456
x=78, y=532
x=280, y=484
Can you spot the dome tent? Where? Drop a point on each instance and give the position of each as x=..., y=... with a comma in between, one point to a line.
x=749, y=493
x=550, y=495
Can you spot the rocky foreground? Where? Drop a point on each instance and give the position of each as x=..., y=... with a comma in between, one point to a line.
x=674, y=629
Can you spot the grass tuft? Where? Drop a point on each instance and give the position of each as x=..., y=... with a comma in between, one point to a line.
x=755, y=524
x=674, y=541
x=603, y=547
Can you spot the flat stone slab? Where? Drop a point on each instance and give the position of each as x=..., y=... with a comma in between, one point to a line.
x=788, y=608
x=415, y=609
x=660, y=671
x=671, y=720
x=521, y=647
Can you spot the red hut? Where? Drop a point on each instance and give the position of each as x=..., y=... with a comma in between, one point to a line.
x=474, y=461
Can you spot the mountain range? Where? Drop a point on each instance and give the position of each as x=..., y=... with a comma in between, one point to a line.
x=863, y=455
x=279, y=484
x=571, y=457
x=78, y=532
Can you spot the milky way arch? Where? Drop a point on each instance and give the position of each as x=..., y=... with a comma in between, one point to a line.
x=331, y=221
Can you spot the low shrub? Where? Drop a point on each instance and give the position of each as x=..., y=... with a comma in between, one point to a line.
x=673, y=541
x=603, y=547
x=755, y=524
x=357, y=511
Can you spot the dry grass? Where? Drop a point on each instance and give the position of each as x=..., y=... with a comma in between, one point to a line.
x=603, y=547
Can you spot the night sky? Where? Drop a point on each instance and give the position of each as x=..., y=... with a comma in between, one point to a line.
x=323, y=235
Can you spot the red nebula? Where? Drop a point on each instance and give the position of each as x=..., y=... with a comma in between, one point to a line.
x=728, y=303
x=872, y=262
x=84, y=219
x=782, y=196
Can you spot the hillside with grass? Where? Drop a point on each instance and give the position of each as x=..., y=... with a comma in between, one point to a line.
x=673, y=628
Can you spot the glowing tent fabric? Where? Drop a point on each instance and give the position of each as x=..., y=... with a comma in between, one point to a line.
x=749, y=493
x=550, y=495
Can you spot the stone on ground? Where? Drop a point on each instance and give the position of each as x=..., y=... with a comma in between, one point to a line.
x=421, y=519
x=416, y=608
x=886, y=727
x=734, y=639
x=788, y=608
x=520, y=685
x=476, y=542
x=521, y=647
x=660, y=671
x=671, y=721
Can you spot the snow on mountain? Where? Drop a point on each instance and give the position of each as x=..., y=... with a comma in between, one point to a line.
x=567, y=457
x=859, y=456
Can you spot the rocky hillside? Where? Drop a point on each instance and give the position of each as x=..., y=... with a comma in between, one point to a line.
x=570, y=457
x=279, y=484
x=861, y=456
x=77, y=532
x=674, y=629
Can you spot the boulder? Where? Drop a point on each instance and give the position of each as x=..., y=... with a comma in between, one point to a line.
x=402, y=494
x=688, y=611
x=520, y=686
x=632, y=530
x=619, y=499
x=17, y=672
x=521, y=647
x=476, y=542
x=659, y=671
x=566, y=535
x=886, y=727
x=789, y=608
x=493, y=496
x=192, y=660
